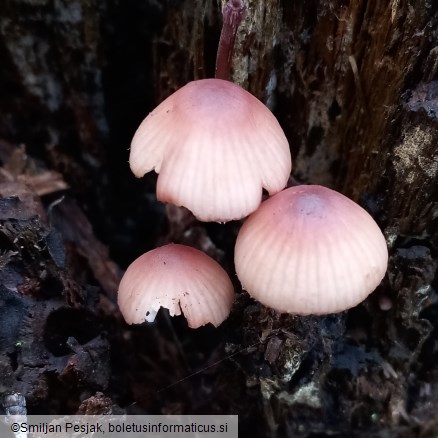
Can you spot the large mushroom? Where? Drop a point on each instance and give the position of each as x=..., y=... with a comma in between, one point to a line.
x=310, y=250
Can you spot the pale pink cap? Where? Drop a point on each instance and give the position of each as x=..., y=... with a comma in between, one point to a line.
x=177, y=278
x=310, y=250
x=215, y=147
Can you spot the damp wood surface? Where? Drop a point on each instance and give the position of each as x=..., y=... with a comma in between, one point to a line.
x=354, y=85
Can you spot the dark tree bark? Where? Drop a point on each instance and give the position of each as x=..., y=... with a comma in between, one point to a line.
x=340, y=76
x=354, y=85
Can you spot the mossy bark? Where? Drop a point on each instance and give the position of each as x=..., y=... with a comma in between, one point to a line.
x=340, y=76
x=353, y=84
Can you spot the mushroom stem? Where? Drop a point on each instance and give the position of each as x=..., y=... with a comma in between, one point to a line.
x=233, y=13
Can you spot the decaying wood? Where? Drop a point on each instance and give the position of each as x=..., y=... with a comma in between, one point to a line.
x=340, y=76
x=354, y=84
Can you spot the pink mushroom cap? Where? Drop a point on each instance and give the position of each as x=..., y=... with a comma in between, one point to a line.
x=310, y=250
x=215, y=147
x=177, y=278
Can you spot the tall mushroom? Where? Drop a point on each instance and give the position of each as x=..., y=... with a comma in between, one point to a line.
x=213, y=144
x=215, y=147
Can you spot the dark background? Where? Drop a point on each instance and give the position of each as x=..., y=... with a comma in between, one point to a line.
x=353, y=85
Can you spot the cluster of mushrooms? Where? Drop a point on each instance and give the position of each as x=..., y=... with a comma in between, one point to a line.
x=305, y=250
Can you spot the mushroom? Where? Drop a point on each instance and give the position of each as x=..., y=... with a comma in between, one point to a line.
x=310, y=250
x=213, y=144
x=215, y=147
x=178, y=278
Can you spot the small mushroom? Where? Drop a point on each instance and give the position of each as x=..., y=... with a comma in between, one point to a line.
x=310, y=250
x=215, y=147
x=177, y=278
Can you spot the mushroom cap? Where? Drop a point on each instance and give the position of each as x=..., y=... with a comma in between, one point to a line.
x=176, y=277
x=215, y=147
x=310, y=250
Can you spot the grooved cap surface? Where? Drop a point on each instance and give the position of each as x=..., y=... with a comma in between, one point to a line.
x=178, y=278
x=215, y=147
x=310, y=250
